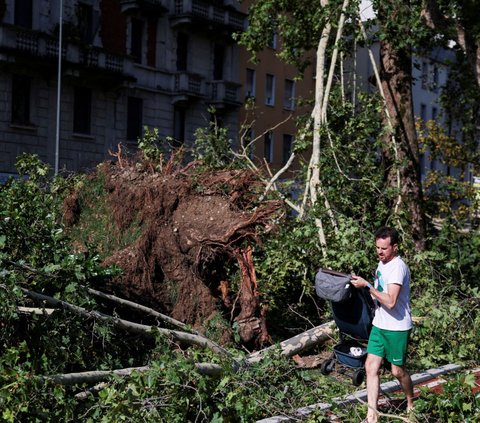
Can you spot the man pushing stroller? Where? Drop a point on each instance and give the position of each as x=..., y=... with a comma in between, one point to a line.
x=392, y=322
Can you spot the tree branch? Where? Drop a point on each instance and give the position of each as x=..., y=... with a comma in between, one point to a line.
x=132, y=327
x=289, y=347
x=138, y=307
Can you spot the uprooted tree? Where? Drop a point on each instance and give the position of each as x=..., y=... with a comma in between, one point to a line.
x=191, y=225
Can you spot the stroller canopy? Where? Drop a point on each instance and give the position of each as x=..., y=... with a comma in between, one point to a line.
x=332, y=286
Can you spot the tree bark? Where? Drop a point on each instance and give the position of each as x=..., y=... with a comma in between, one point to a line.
x=402, y=163
x=251, y=320
x=298, y=343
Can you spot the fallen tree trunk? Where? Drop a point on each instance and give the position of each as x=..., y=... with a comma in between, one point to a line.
x=298, y=343
x=95, y=376
x=289, y=347
x=178, y=336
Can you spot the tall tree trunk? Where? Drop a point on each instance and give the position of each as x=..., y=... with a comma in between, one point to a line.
x=400, y=147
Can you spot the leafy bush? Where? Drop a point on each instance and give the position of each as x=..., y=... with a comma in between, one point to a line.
x=457, y=402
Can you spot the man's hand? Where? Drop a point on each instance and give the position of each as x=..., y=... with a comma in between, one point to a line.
x=358, y=282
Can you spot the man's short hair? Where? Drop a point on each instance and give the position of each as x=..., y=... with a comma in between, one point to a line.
x=386, y=232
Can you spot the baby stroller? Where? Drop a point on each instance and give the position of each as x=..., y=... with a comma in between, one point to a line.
x=353, y=314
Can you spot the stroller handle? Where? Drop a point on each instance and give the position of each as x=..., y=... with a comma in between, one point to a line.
x=335, y=273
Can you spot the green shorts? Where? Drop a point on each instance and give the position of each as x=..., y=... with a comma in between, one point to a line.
x=389, y=344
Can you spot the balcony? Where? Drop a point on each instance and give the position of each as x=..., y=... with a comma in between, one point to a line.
x=147, y=7
x=40, y=51
x=201, y=12
x=187, y=86
x=223, y=94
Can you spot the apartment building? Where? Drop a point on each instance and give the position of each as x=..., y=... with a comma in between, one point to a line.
x=430, y=72
x=125, y=64
x=276, y=94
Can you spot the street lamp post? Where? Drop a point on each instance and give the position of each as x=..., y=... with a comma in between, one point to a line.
x=59, y=87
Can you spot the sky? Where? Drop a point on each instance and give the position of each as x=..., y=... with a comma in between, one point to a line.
x=366, y=10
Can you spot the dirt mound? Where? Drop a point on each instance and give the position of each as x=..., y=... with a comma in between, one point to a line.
x=194, y=224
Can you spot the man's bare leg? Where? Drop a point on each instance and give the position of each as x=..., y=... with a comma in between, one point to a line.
x=405, y=382
x=372, y=368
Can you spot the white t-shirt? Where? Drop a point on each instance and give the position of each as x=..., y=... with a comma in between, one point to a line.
x=399, y=318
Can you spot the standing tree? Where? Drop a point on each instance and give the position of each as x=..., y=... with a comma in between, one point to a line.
x=304, y=27
x=398, y=33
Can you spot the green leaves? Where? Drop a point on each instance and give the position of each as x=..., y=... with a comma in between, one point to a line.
x=457, y=401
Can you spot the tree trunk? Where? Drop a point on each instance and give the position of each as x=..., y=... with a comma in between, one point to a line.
x=402, y=169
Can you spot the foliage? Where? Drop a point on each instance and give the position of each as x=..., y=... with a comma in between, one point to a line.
x=173, y=390
x=36, y=254
x=448, y=193
x=350, y=172
x=460, y=99
x=212, y=145
x=446, y=294
x=457, y=402
x=408, y=22
x=298, y=24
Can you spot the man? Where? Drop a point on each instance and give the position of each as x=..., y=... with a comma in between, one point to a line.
x=392, y=321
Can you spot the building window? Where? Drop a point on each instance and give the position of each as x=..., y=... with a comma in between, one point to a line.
x=136, y=40
x=82, y=110
x=134, y=118
x=422, y=165
x=287, y=147
x=435, y=79
x=270, y=90
x=424, y=75
x=218, y=61
x=272, y=43
x=179, y=126
x=289, y=95
x=23, y=13
x=182, y=51
x=434, y=113
x=423, y=114
x=85, y=22
x=268, y=147
x=21, y=87
x=250, y=83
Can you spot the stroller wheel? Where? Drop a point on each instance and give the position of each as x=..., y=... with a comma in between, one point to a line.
x=358, y=377
x=327, y=367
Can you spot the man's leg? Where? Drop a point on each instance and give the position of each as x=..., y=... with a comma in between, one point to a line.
x=405, y=382
x=372, y=368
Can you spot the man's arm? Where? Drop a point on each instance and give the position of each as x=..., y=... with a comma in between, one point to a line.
x=388, y=299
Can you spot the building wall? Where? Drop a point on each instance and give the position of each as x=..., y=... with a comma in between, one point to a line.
x=275, y=117
x=429, y=75
x=105, y=64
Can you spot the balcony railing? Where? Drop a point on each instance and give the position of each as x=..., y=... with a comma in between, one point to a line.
x=41, y=46
x=146, y=6
x=224, y=92
x=188, y=84
x=200, y=9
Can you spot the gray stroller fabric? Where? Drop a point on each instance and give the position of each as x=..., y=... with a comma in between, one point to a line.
x=332, y=286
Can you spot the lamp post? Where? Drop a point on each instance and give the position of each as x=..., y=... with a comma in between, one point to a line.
x=59, y=87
